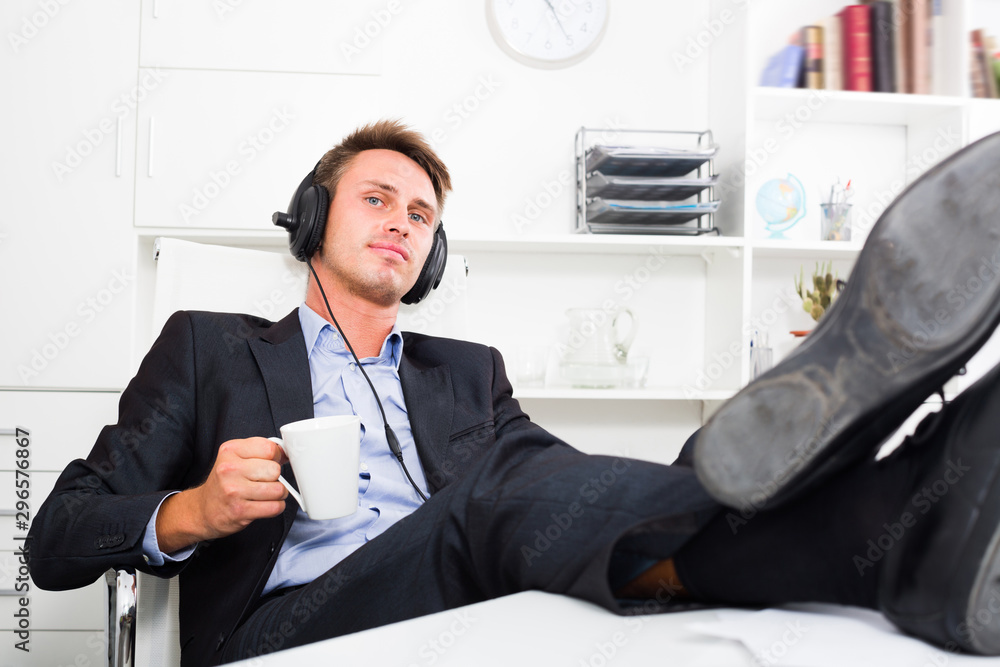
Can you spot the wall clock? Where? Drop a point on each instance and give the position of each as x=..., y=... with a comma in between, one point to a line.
x=547, y=33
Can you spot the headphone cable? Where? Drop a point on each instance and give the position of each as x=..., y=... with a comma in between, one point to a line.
x=390, y=436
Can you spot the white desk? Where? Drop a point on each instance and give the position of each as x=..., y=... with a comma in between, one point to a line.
x=535, y=628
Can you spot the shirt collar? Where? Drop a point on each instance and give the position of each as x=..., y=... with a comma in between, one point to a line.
x=319, y=332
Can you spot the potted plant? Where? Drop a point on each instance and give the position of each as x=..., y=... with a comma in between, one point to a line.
x=825, y=287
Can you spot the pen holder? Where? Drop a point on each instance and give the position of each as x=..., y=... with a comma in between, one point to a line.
x=836, y=222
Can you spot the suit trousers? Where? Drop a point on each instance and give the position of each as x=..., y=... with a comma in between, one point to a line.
x=532, y=514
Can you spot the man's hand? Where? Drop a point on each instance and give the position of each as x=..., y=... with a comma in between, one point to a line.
x=243, y=486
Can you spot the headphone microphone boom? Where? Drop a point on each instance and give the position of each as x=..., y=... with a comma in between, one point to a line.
x=305, y=222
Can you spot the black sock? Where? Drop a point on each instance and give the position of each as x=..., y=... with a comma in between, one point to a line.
x=816, y=548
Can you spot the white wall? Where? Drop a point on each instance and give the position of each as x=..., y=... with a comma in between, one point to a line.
x=63, y=237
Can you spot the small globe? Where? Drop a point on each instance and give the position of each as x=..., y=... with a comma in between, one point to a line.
x=781, y=204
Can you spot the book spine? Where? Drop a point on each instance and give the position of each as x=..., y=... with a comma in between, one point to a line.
x=812, y=42
x=883, y=53
x=857, y=47
x=920, y=50
x=976, y=79
x=991, y=50
x=940, y=85
x=901, y=19
x=791, y=66
x=984, y=62
x=833, y=62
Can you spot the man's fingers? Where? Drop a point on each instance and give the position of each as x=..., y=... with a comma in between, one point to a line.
x=252, y=448
x=261, y=470
x=263, y=491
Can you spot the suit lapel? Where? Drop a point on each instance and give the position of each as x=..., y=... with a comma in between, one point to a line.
x=281, y=356
x=430, y=404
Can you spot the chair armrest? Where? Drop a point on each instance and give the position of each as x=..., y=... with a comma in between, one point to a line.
x=119, y=632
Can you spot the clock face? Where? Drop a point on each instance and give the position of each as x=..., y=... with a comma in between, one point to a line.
x=547, y=33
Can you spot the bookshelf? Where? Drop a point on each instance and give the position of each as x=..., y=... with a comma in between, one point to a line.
x=883, y=141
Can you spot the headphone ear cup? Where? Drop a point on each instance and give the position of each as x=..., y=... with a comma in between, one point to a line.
x=432, y=270
x=316, y=206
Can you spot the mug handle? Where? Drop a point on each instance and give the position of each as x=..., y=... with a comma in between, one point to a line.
x=622, y=346
x=284, y=482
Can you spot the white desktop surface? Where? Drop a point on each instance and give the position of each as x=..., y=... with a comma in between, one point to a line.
x=534, y=628
x=529, y=628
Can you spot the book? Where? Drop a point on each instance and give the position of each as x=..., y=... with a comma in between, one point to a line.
x=833, y=63
x=991, y=48
x=901, y=20
x=784, y=68
x=883, y=50
x=920, y=61
x=812, y=43
x=856, y=40
x=977, y=76
x=940, y=85
x=984, y=61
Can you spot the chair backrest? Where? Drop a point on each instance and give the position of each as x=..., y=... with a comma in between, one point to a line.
x=196, y=276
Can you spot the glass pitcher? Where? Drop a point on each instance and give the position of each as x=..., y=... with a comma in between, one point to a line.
x=596, y=349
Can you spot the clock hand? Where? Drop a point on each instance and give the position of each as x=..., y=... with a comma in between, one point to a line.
x=558, y=22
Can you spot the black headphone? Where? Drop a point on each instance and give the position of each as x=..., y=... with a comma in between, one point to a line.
x=306, y=220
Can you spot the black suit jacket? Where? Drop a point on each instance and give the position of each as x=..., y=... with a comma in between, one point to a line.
x=213, y=377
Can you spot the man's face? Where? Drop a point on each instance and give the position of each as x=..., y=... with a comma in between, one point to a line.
x=380, y=226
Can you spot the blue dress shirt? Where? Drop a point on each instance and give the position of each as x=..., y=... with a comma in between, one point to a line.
x=384, y=494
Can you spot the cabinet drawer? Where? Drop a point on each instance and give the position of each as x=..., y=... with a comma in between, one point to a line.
x=64, y=425
x=78, y=609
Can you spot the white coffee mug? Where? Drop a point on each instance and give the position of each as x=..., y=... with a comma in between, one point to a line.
x=324, y=453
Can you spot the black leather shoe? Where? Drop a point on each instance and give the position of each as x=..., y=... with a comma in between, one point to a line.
x=924, y=295
x=940, y=573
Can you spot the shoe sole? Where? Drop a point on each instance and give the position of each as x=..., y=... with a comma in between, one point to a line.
x=923, y=297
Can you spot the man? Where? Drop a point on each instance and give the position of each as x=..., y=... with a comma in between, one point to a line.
x=186, y=481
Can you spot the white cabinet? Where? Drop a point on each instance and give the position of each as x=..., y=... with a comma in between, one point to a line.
x=67, y=192
x=321, y=36
x=61, y=426
x=226, y=149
